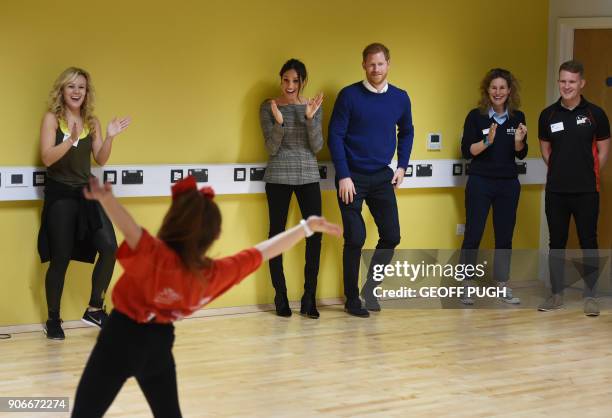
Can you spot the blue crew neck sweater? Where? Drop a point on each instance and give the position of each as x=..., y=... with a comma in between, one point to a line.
x=366, y=127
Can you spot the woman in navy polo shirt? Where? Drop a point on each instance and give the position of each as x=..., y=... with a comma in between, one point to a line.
x=494, y=135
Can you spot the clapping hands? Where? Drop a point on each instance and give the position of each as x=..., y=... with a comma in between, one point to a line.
x=491, y=134
x=278, y=116
x=313, y=105
x=520, y=133
x=116, y=126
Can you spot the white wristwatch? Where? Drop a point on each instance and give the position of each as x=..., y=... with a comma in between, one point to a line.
x=307, y=229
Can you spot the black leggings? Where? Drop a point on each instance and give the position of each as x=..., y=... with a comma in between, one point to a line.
x=61, y=230
x=309, y=200
x=124, y=349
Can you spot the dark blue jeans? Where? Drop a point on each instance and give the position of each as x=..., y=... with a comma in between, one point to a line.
x=378, y=193
x=482, y=193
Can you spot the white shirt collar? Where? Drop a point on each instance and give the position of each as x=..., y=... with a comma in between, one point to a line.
x=499, y=117
x=371, y=88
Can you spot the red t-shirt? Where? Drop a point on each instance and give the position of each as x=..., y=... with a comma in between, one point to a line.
x=155, y=286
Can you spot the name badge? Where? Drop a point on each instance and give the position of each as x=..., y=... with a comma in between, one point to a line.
x=556, y=127
x=485, y=131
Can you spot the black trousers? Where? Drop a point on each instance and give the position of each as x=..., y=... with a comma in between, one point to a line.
x=124, y=349
x=62, y=229
x=378, y=193
x=309, y=201
x=482, y=194
x=584, y=208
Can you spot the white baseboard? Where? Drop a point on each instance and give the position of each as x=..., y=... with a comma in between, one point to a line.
x=202, y=313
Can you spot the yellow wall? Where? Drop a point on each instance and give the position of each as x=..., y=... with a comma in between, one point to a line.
x=192, y=74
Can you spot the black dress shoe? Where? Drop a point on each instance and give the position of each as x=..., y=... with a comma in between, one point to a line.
x=372, y=305
x=356, y=311
x=309, y=307
x=370, y=301
x=282, y=306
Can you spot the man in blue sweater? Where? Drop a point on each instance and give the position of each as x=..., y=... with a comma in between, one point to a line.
x=370, y=119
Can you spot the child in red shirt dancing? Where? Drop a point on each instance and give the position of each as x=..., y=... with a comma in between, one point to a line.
x=165, y=279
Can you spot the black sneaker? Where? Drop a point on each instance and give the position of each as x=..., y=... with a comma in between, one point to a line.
x=53, y=329
x=95, y=318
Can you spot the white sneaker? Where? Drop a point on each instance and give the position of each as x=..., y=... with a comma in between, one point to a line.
x=508, y=297
x=465, y=298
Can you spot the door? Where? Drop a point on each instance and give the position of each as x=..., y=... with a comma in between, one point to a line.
x=592, y=47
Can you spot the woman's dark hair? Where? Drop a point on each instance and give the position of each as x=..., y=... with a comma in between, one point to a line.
x=191, y=225
x=300, y=69
x=514, y=99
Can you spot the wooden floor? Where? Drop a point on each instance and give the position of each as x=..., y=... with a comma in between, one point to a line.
x=399, y=363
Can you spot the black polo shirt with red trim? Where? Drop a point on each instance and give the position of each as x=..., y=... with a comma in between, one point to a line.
x=573, y=166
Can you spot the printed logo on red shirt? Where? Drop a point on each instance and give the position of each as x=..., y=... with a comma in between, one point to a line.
x=167, y=296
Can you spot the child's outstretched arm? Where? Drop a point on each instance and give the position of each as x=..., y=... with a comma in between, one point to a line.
x=115, y=211
x=285, y=240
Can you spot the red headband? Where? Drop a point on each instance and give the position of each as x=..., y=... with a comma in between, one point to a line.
x=189, y=183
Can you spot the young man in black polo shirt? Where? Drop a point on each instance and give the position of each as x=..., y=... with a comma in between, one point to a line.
x=574, y=140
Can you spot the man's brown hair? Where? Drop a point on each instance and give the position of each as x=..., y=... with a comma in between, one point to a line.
x=375, y=48
x=572, y=66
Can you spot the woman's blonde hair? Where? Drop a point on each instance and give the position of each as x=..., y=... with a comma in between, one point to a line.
x=513, y=102
x=56, y=97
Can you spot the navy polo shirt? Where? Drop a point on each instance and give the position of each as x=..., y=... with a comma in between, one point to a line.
x=573, y=166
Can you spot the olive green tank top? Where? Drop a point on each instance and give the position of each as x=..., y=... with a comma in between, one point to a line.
x=74, y=168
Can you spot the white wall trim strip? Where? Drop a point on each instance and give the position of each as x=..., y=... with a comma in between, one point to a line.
x=140, y=180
